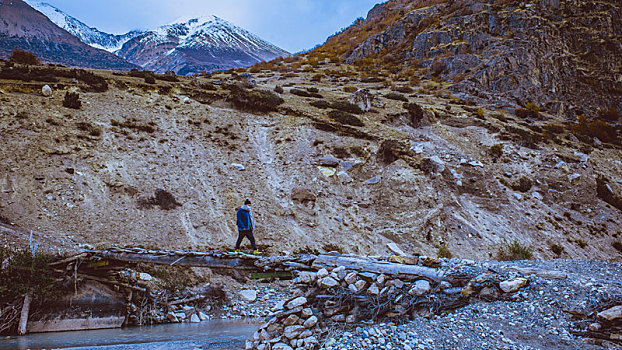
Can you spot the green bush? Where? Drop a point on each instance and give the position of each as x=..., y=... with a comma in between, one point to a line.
x=396, y=96
x=346, y=107
x=303, y=93
x=345, y=118
x=257, y=101
x=513, y=251
x=321, y=104
x=444, y=252
x=22, y=273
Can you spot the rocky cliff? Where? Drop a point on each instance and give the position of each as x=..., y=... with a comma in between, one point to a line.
x=563, y=55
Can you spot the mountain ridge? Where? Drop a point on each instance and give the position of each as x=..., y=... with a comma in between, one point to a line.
x=197, y=44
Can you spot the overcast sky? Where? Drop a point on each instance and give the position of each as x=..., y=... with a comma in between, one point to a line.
x=293, y=25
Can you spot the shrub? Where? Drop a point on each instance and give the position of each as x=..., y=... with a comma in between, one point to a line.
x=415, y=111
x=72, y=100
x=89, y=128
x=403, y=89
x=496, y=151
x=513, y=251
x=24, y=57
x=557, y=249
x=523, y=185
x=321, y=104
x=261, y=101
x=610, y=115
x=345, y=118
x=372, y=80
x=597, y=128
x=162, y=198
x=304, y=93
x=480, y=113
x=150, y=79
x=346, y=107
x=317, y=77
x=350, y=89
x=396, y=96
x=531, y=110
x=24, y=273
x=278, y=89
x=617, y=246
x=444, y=252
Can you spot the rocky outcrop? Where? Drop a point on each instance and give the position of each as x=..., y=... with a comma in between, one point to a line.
x=562, y=55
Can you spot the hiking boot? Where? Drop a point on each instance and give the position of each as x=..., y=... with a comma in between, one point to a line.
x=256, y=252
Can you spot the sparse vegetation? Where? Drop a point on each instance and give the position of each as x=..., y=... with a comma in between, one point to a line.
x=162, y=198
x=346, y=107
x=72, y=100
x=617, y=246
x=345, y=118
x=89, y=129
x=444, y=252
x=331, y=247
x=256, y=101
x=496, y=151
x=23, y=57
x=531, y=110
x=396, y=96
x=321, y=104
x=513, y=251
x=304, y=93
x=557, y=249
x=350, y=89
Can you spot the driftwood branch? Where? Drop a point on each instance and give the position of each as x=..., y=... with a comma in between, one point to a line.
x=386, y=268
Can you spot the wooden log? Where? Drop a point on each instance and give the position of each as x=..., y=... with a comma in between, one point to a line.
x=23, y=319
x=69, y=259
x=386, y=268
x=197, y=261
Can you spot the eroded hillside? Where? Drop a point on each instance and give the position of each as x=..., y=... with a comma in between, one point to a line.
x=166, y=164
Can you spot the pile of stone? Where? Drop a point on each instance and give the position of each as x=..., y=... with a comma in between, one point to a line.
x=293, y=325
x=341, y=295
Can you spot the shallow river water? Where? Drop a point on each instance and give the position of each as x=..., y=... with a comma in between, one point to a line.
x=212, y=334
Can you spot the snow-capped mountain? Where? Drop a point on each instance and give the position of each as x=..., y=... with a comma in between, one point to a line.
x=24, y=28
x=88, y=35
x=206, y=43
x=186, y=47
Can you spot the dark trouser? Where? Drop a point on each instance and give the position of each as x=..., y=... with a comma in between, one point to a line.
x=248, y=234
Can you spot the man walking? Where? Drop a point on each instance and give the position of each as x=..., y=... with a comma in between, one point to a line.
x=246, y=225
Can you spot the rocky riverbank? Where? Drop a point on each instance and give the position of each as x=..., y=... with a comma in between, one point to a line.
x=560, y=305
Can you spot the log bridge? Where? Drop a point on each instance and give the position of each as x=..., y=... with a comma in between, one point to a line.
x=256, y=263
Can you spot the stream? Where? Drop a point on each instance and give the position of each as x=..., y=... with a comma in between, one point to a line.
x=210, y=334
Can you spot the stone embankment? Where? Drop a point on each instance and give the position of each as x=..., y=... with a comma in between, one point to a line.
x=476, y=305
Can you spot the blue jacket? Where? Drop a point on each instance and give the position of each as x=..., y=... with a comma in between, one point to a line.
x=245, y=219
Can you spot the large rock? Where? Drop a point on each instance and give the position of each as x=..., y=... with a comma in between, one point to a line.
x=305, y=277
x=296, y=302
x=328, y=282
x=364, y=99
x=327, y=161
x=46, y=90
x=248, y=295
x=292, y=332
x=611, y=314
x=281, y=346
x=311, y=322
x=291, y=320
x=420, y=287
x=511, y=286
x=195, y=318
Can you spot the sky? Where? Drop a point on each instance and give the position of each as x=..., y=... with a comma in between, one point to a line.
x=293, y=25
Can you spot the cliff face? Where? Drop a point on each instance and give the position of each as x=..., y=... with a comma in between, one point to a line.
x=562, y=55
